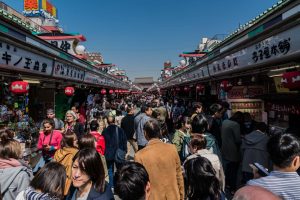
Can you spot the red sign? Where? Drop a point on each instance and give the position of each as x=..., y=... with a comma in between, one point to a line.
x=69, y=91
x=30, y=5
x=19, y=87
x=291, y=80
x=226, y=86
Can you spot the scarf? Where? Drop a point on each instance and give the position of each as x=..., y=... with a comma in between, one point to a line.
x=31, y=194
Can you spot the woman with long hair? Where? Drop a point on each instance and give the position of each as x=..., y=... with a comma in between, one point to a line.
x=48, y=142
x=201, y=182
x=88, y=177
x=15, y=175
x=89, y=141
x=65, y=155
x=48, y=184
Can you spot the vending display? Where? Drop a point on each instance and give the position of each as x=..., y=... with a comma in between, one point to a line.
x=254, y=107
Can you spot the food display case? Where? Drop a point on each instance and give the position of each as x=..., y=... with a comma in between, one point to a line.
x=253, y=106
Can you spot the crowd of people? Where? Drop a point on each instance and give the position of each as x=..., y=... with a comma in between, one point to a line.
x=151, y=148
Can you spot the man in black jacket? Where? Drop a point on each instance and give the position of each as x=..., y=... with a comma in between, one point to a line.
x=127, y=124
x=112, y=143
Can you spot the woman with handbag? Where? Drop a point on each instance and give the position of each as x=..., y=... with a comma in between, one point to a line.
x=48, y=143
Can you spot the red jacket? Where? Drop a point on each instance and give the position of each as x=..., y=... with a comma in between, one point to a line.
x=100, y=145
x=54, y=143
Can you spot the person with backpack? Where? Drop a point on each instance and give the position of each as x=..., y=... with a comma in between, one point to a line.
x=182, y=137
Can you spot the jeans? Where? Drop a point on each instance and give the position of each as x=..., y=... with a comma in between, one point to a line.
x=110, y=170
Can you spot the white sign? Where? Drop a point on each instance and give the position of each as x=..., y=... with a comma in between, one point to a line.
x=15, y=58
x=66, y=71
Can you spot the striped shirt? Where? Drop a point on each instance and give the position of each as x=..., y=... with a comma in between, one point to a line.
x=283, y=184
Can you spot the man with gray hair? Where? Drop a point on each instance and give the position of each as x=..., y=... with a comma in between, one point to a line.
x=254, y=193
x=59, y=125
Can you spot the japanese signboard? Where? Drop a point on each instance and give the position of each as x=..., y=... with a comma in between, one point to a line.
x=62, y=70
x=31, y=5
x=15, y=58
x=65, y=45
x=39, y=8
x=91, y=78
x=274, y=47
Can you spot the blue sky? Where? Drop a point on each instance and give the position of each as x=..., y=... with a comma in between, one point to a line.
x=139, y=35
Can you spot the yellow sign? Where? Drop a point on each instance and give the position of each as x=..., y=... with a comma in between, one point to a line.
x=279, y=86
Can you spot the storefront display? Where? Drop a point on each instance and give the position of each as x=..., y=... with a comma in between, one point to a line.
x=252, y=106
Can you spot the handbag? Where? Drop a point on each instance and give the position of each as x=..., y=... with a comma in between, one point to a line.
x=120, y=153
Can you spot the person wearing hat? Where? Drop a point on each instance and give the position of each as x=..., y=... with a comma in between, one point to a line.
x=59, y=124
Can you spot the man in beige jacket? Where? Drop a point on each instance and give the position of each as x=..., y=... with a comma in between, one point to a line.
x=162, y=164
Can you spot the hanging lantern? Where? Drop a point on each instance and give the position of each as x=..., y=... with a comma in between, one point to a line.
x=110, y=91
x=291, y=80
x=186, y=88
x=69, y=91
x=116, y=91
x=226, y=86
x=19, y=87
x=178, y=89
x=200, y=88
x=103, y=91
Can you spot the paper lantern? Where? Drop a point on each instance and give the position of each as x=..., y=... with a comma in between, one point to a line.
x=19, y=87
x=110, y=91
x=116, y=91
x=200, y=88
x=103, y=91
x=178, y=89
x=186, y=88
x=291, y=80
x=226, y=86
x=69, y=91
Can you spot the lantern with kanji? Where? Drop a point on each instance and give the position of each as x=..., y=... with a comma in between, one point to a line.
x=19, y=87
x=226, y=86
x=110, y=91
x=200, y=88
x=103, y=91
x=186, y=88
x=291, y=80
x=69, y=91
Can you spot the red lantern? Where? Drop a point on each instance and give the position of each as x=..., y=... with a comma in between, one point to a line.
x=110, y=91
x=291, y=80
x=186, y=89
x=116, y=91
x=19, y=87
x=200, y=88
x=103, y=91
x=226, y=86
x=69, y=91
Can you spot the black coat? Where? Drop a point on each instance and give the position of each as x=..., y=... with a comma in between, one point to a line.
x=110, y=136
x=94, y=195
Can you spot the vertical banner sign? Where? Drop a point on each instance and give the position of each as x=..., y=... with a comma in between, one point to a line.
x=30, y=5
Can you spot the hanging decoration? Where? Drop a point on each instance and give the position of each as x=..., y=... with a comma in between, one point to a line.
x=226, y=86
x=200, y=88
x=186, y=88
x=178, y=89
x=19, y=87
x=103, y=91
x=291, y=80
x=69, y=91
x=110, y=91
